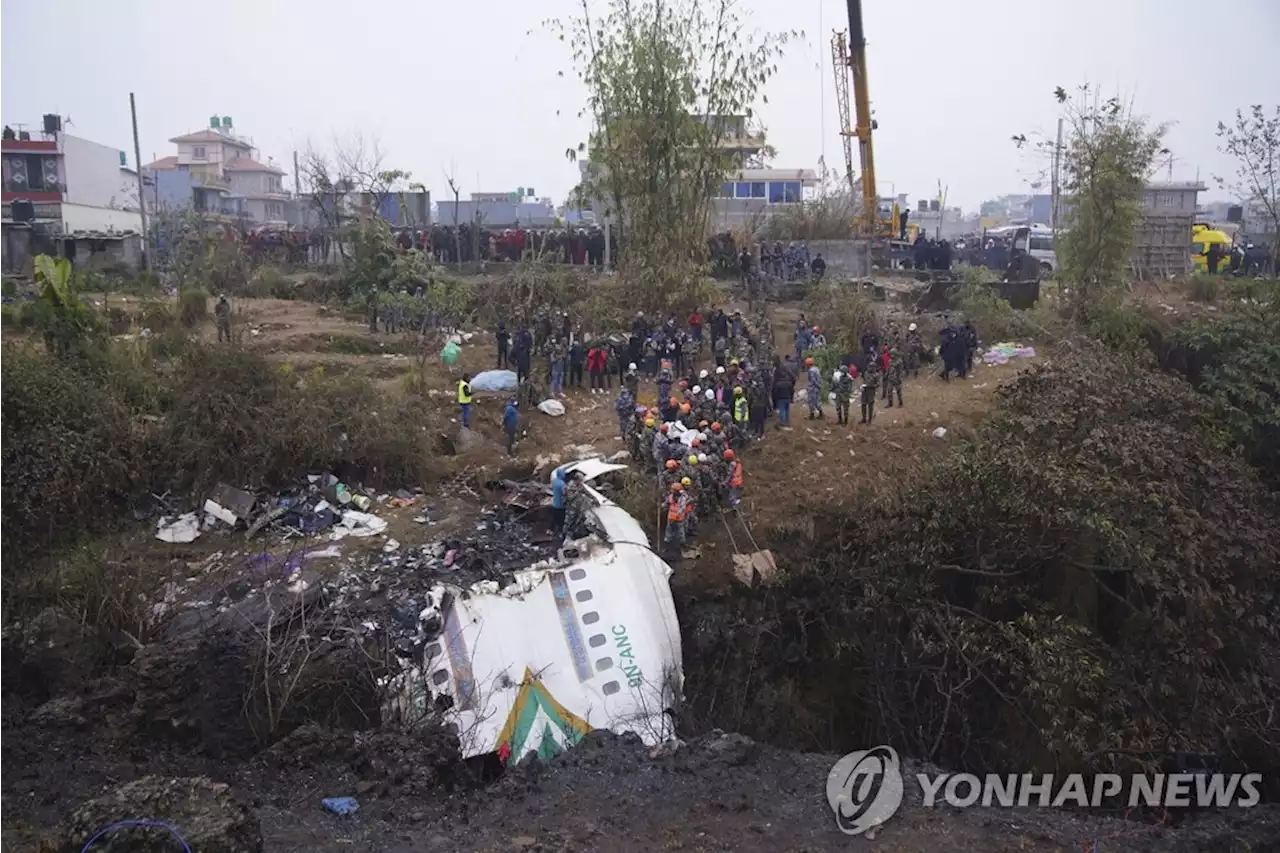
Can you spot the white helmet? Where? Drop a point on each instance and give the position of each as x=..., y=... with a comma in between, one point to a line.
x=711, y=394
x=911, y=328
x=631, y=366
x=703, y=374
x=719, y=370
x=697, y=389
x=702, y=457
x=835, y=377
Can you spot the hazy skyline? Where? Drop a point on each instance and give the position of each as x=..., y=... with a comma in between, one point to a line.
x=468, y=89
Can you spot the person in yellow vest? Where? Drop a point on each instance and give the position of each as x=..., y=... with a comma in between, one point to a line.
x=741, y=410
x=464, y=399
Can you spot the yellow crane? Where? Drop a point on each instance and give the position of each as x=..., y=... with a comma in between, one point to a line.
x=849, y=51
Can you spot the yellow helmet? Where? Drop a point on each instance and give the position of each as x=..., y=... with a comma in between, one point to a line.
x=737, y=392
x=693, y=460
x=685, y=481
x=649, y=422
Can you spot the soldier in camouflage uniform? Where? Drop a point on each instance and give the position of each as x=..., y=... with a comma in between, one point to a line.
x=371, y=308
x=844, y=394
x=870, y=383
x=625, y=407
x=915, y=349
x=893, y=377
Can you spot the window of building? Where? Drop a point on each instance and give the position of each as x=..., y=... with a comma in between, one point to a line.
x=726, y=191
x=759, y=189
x=198, y=153
x=30, y=173
x=776, y=189
x=743, y=189
x=792, y=192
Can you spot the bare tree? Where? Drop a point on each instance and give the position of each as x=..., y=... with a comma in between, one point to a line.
x=344, y=179
x=1253, y=140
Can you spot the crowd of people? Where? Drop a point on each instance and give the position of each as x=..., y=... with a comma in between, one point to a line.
x=706, y=404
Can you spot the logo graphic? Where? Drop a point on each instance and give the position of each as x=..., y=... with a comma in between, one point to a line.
x=864, y=789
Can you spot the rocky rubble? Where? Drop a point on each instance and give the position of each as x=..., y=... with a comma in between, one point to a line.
x=207, y=816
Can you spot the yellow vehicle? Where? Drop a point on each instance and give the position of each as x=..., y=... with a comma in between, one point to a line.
x=1203, y=236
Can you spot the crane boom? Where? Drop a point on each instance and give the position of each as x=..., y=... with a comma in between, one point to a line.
x=840, y=65
x=862, y=107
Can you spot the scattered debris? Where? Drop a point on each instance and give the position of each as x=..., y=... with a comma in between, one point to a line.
x=1001, y=353
x=218, y=511
x=356, y=523
x=237, y=502
x=940, y=432
x=341, y=805
x=755, y=568
x=184, y=528
x=325, y=553
x=552, y=407
x=620, y=456
x=391, y=546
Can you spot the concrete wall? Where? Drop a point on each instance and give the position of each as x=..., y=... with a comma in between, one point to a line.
x=496, y=214
x=168, y=189
x=845, y=258
x=80, y=217
x=93, y=174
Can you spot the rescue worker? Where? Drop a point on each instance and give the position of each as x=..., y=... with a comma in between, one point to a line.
x=870, y=382
x=464, y=399
x=625, y=407
x=844, y=394
x=893, y=378
x=733, y=482
x=660, y=448
x=741, y=409
x=677, y=516
x=510, y=420
x=813, y=389
x=915, y=349
x=222, y=314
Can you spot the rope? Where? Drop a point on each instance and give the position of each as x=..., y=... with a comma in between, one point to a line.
x=146, y=824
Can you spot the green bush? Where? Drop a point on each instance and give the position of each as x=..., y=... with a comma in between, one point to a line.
x=1204, y=287
x=193, y=307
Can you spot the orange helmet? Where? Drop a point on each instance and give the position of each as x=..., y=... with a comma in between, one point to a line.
x=816, y=330
x=685, y=408
x=675, y=401
x=715, y=427
x=672, y=464
x=728, y=456
x=697, y=442
x=808, y=362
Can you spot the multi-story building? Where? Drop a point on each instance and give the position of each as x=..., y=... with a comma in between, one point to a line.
x=217, y=172
x=75, y=184
x=69, y=196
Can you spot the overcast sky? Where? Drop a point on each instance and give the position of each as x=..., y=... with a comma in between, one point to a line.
x=464, y=87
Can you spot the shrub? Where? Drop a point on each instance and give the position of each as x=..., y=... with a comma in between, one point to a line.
x=1203, y=287
x=193, y=307
x=1089, y=579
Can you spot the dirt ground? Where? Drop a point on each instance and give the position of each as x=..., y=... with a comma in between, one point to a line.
x=809, y=463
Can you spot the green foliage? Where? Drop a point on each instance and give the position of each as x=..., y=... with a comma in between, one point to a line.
x=193, y=307
x=846, y=316
x=85, y=437
x=653, y=69
x=828, y=218
x=1089, y=579
x=1234, y=358
x=1106, y=160
x=1253, y=141
x=61, y=316
x=1204, y=287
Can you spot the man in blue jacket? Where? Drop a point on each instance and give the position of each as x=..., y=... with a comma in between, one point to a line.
x=558, y=484
x=510, y=420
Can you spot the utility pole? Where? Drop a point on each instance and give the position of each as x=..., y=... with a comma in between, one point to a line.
x=297, y=176
x=1055, y=191
x=142, y=198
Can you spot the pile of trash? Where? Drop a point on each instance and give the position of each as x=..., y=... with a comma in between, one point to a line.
x=322, y=504
x=1001, y=353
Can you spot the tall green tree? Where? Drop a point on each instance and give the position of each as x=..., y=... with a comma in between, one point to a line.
x=658, y=73
x=1106, y=159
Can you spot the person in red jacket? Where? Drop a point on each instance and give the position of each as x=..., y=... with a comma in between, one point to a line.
x=695, y=325
x=597, y=358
